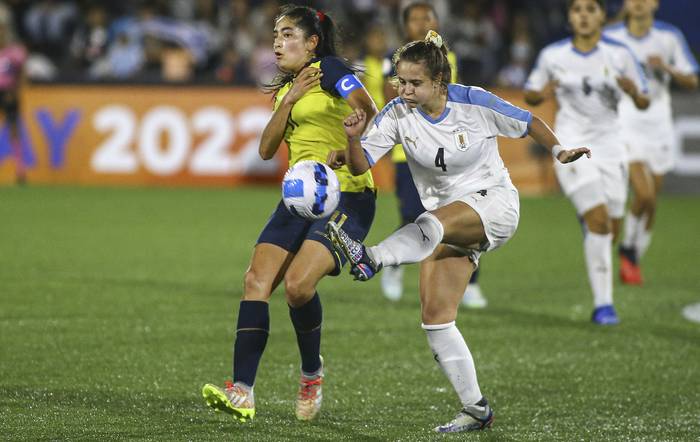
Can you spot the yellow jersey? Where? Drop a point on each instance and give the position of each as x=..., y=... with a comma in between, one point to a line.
x=315, y=124
x=397, y=153
x=373, y=78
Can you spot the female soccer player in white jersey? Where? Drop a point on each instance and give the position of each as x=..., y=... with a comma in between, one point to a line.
x=448, y=132
x=664, y=54
x=590, y=73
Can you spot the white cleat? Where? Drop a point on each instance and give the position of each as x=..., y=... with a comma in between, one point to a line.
x=392, y=282
x=473, y=298
x=310, y=396
x=471, y=418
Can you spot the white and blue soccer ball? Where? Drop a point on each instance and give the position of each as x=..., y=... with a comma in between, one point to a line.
x=311, y=190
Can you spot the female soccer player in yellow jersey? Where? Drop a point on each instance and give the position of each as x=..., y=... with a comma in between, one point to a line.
x=314, y=92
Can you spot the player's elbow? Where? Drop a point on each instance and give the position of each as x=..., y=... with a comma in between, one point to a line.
x=692, y=82
x=265, y=153
x=533, y=98
x=642, y=102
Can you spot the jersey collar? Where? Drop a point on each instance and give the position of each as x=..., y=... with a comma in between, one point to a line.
x=432, y=120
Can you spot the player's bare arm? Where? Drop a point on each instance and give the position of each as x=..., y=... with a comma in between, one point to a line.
x=641, y=101
x=358, y=99
x=540, y=132
x=271, y=138
x=535, y=98
x=355, y=124
x=686, y=81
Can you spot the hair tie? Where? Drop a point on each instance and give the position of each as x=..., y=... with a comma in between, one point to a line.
x=434, y=38
x=321, y=16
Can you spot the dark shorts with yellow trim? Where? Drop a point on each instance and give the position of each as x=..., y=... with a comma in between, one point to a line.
x=289, y=231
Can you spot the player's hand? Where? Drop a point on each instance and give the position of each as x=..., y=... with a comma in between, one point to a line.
x=306, y=79
x=627, y=86
x=355, y=123
x=336, y=159
x=656, y=63
x=571, y=155
x=550, y=89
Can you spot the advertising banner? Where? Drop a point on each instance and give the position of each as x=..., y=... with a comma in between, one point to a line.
x=178, y=136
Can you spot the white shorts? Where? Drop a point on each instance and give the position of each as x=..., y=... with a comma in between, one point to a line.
x=653, y=147
x=589, y=183
x=499, y=210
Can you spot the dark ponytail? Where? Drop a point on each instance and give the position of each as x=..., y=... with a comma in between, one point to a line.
x=311, y=22
x=432, y=51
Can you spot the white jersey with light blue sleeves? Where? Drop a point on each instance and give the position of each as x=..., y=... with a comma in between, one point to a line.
x=665, y=41
x=455, y=154
x=587, y=91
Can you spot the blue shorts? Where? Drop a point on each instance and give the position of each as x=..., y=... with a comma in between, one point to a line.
x=289, y=231
x=410, y=204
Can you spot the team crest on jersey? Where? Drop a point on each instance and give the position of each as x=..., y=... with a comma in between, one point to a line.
x=461, y=139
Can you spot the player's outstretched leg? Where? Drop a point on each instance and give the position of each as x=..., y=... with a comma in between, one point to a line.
x=410, y=244
x=471, y=418
x=310, y=395
x=362, y=266
x=235, y=399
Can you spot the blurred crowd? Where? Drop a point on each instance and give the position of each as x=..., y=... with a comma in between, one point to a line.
x=230, y=41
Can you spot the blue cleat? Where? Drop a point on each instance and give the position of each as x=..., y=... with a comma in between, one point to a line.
x=362, y=267
x=605, y=315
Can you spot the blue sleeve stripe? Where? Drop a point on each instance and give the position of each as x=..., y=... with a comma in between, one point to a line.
x=480, y=97
x=386, y=109
x=347, y=84
x=369, y=158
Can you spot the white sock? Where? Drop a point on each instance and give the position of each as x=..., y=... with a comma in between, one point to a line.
x=411, y=243
x=643, y=238
x=453, y=355
x=597, y=250
x=632, y=224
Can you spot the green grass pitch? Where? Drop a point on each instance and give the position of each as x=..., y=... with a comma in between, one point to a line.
x=117, y=305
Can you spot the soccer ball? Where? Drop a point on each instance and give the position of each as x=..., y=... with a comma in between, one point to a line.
x=310, y=190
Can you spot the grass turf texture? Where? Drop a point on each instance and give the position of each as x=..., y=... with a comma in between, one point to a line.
x=117, y=305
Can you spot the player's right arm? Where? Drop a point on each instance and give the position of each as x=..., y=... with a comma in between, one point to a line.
x=363, y=152
x=273, y=133
x=540, y=85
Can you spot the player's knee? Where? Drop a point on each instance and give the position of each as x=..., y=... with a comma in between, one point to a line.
x=298, y=290
x=437, y=313
x=598, y=221
x=254, y=286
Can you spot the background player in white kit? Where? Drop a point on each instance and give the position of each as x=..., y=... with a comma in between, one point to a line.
x=448, y=132
x=664, y=54
x=590, y=74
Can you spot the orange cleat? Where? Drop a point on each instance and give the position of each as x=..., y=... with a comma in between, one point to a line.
x=630, y=273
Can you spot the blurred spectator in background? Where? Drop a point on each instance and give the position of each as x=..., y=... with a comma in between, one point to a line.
x=374, y=63
x=47, y=23
x=89, y=41
x=12, y=58
x=514, y=73
x=124, y=59
x=476, y=42
x=227, y=40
